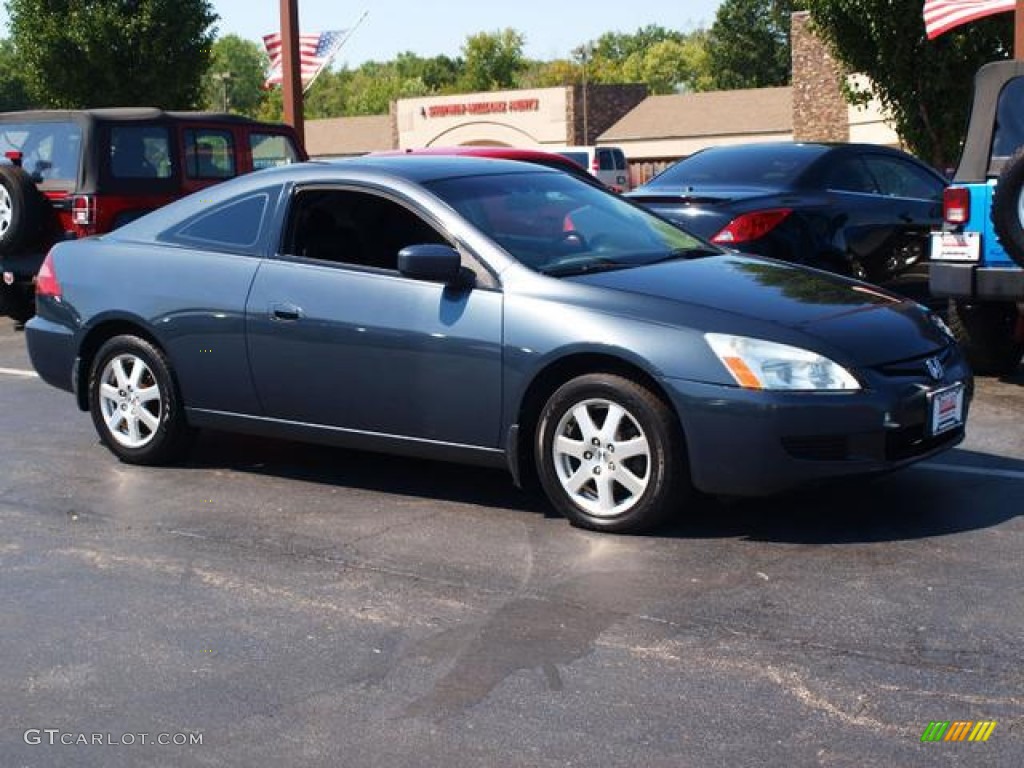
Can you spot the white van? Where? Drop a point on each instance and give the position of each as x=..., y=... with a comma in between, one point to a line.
x=607, y=164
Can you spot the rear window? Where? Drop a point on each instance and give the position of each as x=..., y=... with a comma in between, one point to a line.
x=580, y=158
x=50, y=151
x=270, y=150
x=775, y=165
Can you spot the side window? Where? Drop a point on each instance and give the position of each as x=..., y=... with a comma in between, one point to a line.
x=209, y=154
x=851, y=175
x=233, y=225
x=898, y=178
x=270, y=150
x=356, y=228
x=1009, y=128
x=140, y=152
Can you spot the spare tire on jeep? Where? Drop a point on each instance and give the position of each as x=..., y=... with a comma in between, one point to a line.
x=1008, y=207
x=22, y=210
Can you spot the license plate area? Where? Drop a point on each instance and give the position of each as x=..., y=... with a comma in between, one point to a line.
x=945, y=409
x=955, y=246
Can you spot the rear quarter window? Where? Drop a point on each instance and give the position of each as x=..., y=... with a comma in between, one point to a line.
x=233, y=226
x=270, y=150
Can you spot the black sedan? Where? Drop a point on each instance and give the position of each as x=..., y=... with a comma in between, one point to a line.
x=491, y=312
x=857, y=209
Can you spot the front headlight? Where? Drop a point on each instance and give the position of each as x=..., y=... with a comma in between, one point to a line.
x=758, y=364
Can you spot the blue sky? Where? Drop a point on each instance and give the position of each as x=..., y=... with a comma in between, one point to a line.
x=428, y=27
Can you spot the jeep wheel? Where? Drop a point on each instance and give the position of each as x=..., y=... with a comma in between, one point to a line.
x=17, y=301
x=21, y=209
x=987, y=333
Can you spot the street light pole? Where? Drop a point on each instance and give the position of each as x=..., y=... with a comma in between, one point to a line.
x=223, y=77
x=583, y=53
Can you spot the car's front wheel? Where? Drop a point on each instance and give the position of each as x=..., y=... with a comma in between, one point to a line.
x=134, y=403
x=610, y=454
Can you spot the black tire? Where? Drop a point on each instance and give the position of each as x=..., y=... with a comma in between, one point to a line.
x=152, y=428
x=17, y=302
x=1008, y=207
x=987, y=333
x=615, y=492
x=22, y=210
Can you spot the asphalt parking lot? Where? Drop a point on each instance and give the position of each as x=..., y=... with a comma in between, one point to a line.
x=296, y=605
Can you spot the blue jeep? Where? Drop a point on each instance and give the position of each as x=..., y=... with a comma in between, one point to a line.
x=978, y=259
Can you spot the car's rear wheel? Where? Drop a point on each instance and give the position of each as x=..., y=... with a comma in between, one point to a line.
x=987, y=333
x=21, y=210
x=135, y=404
x=610, y=454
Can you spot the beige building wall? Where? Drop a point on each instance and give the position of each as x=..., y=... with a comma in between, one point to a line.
x=521, y=118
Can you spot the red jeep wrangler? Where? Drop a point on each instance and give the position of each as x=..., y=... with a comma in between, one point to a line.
x=67, y=174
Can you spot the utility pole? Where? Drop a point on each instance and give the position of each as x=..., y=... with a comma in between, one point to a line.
x=1018, y=31
x=291, y=72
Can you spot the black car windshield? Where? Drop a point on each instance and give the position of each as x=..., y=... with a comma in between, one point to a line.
x=559, y=225
x=776, y=165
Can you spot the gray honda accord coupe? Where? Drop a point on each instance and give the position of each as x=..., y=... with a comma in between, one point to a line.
x=492, y=313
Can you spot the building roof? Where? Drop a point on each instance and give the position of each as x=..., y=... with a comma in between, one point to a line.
x=338, y=136
x=710, y=113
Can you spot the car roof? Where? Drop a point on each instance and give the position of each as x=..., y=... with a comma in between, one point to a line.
x=124, y=114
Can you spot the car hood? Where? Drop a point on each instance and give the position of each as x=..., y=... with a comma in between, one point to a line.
x=868, y=324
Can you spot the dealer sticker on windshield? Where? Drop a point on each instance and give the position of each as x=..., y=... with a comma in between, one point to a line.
x=947, y=408
x=955, y=246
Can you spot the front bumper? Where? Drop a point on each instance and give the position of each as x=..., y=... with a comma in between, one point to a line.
x=756, y=443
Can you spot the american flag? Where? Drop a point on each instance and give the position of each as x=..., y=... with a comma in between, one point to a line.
x=942, y=15
x=315, y=52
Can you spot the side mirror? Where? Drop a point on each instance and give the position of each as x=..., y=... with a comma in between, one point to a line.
x=430, y=261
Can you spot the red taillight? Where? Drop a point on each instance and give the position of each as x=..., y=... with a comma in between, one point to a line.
x=956, y=205
x=595, y=164
x=46, y=279
x=83, y=210
x=751, y=226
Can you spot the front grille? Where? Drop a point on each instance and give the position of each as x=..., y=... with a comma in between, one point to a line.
x=818, y=447
x=916, y=366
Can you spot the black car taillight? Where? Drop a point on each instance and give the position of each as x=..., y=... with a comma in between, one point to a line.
x=751, y=226
x=956, y=205
x=46, y=279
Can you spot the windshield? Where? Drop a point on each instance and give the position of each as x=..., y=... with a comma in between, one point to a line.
x=558, y=225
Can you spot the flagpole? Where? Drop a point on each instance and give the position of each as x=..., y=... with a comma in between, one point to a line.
x=291, y=70
x=1018, y=31
x=338, y=46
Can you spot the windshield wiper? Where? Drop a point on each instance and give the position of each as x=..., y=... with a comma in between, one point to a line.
x=574, y=267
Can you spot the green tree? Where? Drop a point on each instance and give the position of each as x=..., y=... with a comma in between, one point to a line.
x=14, y=93
x=923, y=85
x=493, y=60
x=235, y=78
x=748, y=44
x=94, y=53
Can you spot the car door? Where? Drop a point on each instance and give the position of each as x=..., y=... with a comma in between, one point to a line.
x=338, y=337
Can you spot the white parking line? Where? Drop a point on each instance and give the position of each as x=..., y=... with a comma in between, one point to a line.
x=1012, y=474
x=19, y=372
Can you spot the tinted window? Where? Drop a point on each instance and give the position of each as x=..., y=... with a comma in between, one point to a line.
x=270, y=150
x=1009, y=128
x=776, y=165
x=897, y=177
x=236, y=224
x=209, y=154
x=606, y=159
x=356, y=228
x=50, y=151
x=140, y=152
x=850, y=174
x=580, y=158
